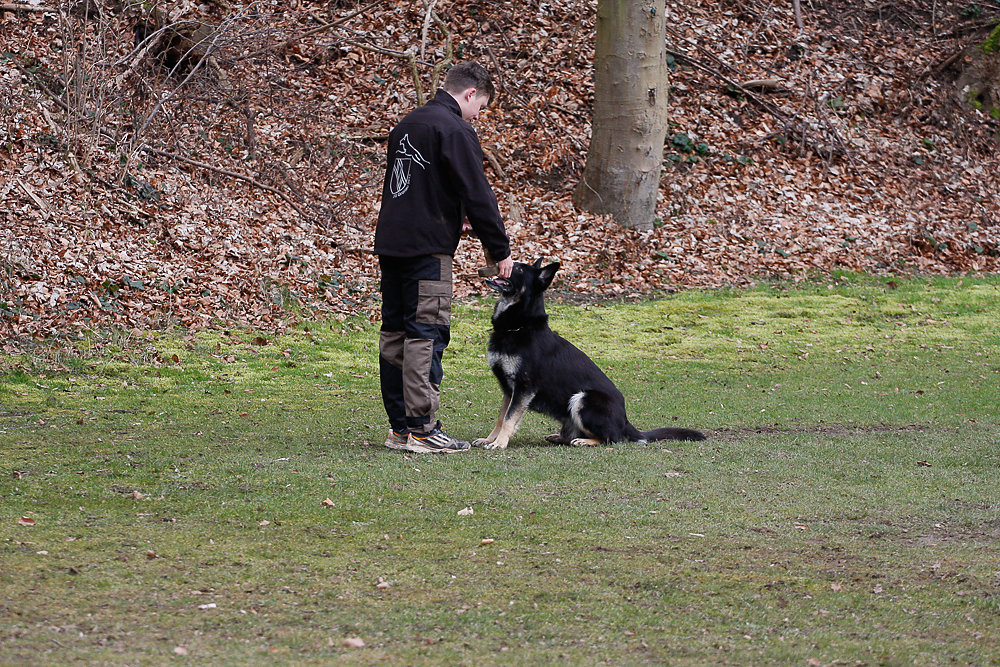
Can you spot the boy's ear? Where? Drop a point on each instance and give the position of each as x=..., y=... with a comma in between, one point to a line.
x=547, y=274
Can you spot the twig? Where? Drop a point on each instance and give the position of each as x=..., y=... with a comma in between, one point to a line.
x=412, y=58
x=207, y=56
x=379, y=49
x=539, y=118
x=312, y=31
x=944, y=64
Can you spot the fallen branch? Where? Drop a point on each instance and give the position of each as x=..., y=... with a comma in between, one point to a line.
x=43, y=205
x=495, y=164
x=790, y=119
x=16, y=7
x=225, y=172
x=763, y=84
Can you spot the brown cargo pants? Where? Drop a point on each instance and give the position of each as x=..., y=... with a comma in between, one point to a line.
x=416, y=328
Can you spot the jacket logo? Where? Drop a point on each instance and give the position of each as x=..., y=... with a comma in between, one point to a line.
x=406, y=155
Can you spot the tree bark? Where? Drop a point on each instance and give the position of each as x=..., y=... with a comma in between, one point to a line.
x=622, y=174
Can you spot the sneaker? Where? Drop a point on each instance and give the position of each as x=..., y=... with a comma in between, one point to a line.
x=397, y=439
x=435, y=441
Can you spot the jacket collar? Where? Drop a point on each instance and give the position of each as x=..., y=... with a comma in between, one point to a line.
x=445, y=98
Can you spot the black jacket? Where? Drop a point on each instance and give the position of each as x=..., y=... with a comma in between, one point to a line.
x=434, y=179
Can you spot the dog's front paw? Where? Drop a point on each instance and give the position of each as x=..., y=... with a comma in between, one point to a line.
x=584, y=442
x=481, y=442
x=496, y=444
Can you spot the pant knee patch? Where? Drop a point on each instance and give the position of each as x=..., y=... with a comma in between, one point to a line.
x=390, y=347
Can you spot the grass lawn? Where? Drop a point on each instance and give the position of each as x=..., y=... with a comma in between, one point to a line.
x=223, y=497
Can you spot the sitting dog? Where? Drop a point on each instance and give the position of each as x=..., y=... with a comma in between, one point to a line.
x=541, y=371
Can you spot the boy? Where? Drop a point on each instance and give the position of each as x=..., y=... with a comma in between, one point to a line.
x=434, y=181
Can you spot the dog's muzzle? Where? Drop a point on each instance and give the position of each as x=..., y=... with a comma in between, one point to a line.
x=501, y=285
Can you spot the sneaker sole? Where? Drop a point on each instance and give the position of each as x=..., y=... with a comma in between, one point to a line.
x=417, y=448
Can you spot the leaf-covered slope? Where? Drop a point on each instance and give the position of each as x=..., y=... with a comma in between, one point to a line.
x=141, y=187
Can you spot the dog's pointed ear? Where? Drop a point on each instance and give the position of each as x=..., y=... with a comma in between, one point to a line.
x=538, y=263
x=547, y=274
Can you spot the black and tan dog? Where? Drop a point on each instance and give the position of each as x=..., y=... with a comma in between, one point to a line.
x=541, y=371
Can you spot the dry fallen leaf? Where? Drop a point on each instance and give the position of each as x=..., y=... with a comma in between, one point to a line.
x=265, y=522
x=180, y=650
x=26, y=521
x=488, y=540
x=466, y=512
x=354, y=642
x=137, y=496
x=327, y=503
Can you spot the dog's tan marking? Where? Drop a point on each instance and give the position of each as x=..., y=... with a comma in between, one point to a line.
x=585, y=442
x=482, y=442
x=510, y=418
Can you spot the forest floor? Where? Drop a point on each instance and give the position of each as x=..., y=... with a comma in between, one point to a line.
x=242, y=187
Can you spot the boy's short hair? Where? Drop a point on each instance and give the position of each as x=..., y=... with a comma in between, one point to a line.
x=467, y=75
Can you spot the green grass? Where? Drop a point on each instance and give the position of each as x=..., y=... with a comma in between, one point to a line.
x=843, y=509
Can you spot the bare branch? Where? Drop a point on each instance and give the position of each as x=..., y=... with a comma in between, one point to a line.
x=427, y=26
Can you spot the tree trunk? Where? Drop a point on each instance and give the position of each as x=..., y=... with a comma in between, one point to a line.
x=622, y=175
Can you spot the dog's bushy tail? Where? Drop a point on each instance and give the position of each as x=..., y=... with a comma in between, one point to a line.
x=672, y=434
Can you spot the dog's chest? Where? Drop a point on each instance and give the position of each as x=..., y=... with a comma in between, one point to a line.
x=506, y=365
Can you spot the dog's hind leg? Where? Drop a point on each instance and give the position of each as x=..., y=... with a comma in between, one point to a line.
x=596, y=419
x=482, y=442
x=510, y=420
x=565, y=436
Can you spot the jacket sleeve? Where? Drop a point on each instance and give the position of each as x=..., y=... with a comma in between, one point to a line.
x=464, y=155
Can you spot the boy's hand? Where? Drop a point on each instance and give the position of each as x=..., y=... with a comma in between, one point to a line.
x=506, y=267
